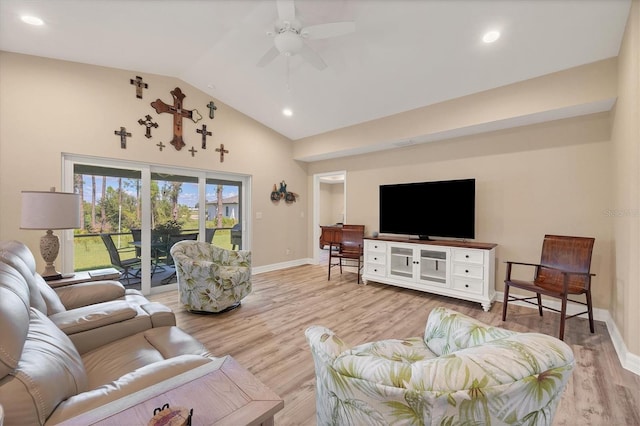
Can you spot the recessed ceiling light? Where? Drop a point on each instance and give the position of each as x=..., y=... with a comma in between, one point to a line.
x=491, y=36
x=287, y=112
x=32, y=20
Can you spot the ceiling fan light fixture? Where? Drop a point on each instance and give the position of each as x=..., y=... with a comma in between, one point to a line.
x=288, y=43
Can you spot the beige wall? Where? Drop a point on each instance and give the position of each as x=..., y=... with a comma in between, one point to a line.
x=331, y=203
x=626, y=177
x=50, y=107
x=546, y=178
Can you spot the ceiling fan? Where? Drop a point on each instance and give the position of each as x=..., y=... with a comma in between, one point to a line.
x=289, y=36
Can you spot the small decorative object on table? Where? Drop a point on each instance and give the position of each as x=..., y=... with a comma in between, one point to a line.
x=166, y=416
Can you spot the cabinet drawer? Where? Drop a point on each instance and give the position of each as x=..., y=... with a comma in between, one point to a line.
x=468, y=286
x=375, y=246
x=471, y=256
x=375, y=269
x=376, y=257
x=468, y=270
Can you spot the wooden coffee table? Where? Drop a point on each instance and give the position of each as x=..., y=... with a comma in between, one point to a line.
x=221, y=393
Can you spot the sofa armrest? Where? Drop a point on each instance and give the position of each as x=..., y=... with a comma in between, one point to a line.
x=160, y=314
x=83, y=294
x=448, y=331
x=132, y=388
x=93, y=316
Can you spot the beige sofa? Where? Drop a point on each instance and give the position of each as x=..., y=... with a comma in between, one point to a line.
x=91, y=314
x=44, y=379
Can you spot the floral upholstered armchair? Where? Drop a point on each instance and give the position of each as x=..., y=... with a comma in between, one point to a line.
x=210, y=278
x=462, y=372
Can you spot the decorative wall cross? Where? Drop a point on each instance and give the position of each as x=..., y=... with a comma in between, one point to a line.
x=123, y=137
x=212, y=107
x=139, y=85
x=160, y=145
x=178, y=113
x=204, y=133
x=148, y=124
x=193, y=151
x=222, y=152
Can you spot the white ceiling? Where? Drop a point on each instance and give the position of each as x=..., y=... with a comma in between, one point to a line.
x=403, y=55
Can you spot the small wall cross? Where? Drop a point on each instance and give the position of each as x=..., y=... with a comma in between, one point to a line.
x=148, y=124
x=139, y=85
x=193, y=151
x=204, y=134
x=123, y=136
x=212, y=107
x=160, y=145
x=222, y=152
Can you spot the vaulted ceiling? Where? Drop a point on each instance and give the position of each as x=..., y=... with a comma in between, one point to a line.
x=403, y=54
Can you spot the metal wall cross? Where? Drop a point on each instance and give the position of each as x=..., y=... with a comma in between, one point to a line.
x=139, y=85
x=123, y=137
x=222, y=152
x=212, y=107
x=204, y=133
x=178, y=113
x=148, y=124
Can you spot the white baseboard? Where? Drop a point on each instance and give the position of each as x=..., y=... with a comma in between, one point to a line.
x=628, y=360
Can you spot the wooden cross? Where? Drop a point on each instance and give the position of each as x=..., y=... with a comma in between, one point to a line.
x=160, y=145
x=139, y=85
x=193, y=151
x=204, y=133
x=212, y=107
x=148, y=124
x=222, y=152
x=123, y=137
x=178, y=113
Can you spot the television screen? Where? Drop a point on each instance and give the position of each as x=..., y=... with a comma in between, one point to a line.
x=429, y=209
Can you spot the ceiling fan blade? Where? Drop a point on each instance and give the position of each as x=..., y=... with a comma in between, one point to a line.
x=331, y=29
x=312, y=57
x=286, y=10
x=269, y=56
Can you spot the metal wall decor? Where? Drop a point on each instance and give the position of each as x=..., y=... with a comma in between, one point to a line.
x=123, y=136
x=204, y=134
x=282, y=194
x=222, y=152
x=193, y=151
x=178, y=113
x=139, y=85
x=148, y=124
x=212, y=107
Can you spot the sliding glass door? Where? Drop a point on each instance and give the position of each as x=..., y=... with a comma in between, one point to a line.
x=134, y=213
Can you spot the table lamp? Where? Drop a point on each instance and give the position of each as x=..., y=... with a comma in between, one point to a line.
x=48, y=211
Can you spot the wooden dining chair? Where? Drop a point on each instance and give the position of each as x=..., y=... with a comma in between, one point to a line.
x=564, y=270
x=348, y=249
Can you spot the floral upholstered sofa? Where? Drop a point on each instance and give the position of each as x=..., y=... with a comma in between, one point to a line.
x=210, y=278
x=462, y=372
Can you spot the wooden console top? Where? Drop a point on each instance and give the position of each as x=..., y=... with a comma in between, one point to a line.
x=448, y=243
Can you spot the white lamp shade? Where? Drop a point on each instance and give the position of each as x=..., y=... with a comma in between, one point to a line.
x=50, y=210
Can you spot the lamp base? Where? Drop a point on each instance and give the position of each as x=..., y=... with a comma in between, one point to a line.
x=53, y=277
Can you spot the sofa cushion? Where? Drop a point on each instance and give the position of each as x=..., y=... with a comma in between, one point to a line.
x=107, y=363
x=50, y=370
x=93, y=316
x=14, y=254
x=83, y=294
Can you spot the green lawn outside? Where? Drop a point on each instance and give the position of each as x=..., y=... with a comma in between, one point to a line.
x=91, y=253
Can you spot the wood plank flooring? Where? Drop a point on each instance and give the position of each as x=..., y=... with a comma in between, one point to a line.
x=266, y=336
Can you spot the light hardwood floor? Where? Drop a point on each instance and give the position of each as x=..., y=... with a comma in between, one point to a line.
x=266, y=336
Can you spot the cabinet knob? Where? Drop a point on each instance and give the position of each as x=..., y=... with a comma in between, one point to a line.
x=466, y=285
x=466, y=271
x=375, y=258
x=466, y=255
x=375, y=270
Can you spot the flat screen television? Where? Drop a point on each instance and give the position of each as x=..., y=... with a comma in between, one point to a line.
x=429, y=209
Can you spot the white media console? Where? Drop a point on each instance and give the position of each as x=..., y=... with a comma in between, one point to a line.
x=464, y=270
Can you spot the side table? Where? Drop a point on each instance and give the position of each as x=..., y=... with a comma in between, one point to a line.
x=86, y=276
x=221, y=392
